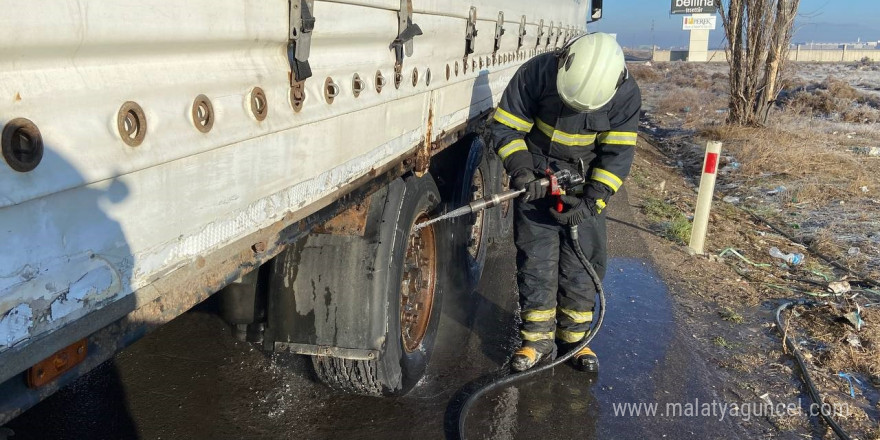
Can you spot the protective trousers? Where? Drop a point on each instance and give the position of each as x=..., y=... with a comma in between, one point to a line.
x=556, y=293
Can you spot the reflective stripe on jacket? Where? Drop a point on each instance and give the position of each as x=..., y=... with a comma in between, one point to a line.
x=531, y=118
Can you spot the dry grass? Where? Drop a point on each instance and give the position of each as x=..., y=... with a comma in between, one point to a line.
x=645, y=74
x=814, y=170
x=678, y=99
x=812, y=156
x=829, y=202
x=684, y=75
x=834, y=99
x=833, y=334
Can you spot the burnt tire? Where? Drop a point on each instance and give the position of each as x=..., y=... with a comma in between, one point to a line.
x=402, y=360
x=500, y=182
x=473, y=182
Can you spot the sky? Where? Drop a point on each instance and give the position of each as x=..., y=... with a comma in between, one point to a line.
x=830, y=21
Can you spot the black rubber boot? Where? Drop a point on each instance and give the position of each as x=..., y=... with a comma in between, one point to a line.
x=586, y=360
x=525, y=358
x=528, y=356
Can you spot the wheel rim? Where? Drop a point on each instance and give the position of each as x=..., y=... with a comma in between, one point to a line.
x=475, y=241
x=417, y=286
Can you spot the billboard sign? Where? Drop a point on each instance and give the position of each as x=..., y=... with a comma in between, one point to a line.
x=690, y=23
x=694, y=6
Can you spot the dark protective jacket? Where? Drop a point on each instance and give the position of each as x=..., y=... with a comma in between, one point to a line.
x=531, y=118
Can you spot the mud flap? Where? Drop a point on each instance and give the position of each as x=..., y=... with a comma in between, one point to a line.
x=322, y=296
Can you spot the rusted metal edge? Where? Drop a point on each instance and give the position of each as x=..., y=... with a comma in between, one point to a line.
x=423, y=154
x=320, y=350
x=352, y=221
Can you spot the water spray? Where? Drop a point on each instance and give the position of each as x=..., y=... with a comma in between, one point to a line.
x=557, y=183
x=477, y=205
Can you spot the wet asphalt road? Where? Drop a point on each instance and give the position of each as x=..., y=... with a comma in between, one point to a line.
x=192, y=379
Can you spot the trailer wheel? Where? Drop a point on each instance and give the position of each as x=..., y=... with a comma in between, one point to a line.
x=411, y=266
x=501, y=183
x=475, y=182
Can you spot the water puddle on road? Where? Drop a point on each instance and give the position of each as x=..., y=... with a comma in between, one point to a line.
x=642, y=361
x=632, y=347
x=247, y=395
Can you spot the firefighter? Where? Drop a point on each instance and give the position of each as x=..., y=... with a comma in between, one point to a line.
x=576, y=109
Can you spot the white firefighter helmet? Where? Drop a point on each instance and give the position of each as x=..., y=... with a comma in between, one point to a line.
x=591, y=68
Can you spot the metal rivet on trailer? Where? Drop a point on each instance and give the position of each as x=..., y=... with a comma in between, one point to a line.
x=22, y=145
x=331, y=90
x=481, y=63
x=456, y=68
x=398, y=76
x=428, y=77
x=448, y=72
x=203, y=114
x=474, y=64
x=357, y=85
x=380, y=81
x=259, y=104
x=415, y=76
x=131, y=122
x=298, y=96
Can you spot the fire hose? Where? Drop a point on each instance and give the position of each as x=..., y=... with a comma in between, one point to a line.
x=509, y=379
x=557, y=183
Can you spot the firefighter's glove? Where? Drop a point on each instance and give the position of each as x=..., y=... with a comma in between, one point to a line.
x=574, y=210
x=597, y=193
x=526, y=179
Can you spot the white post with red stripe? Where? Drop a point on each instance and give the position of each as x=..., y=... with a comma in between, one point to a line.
x=704, y=197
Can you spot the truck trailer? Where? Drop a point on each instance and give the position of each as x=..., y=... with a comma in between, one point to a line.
x=276, y=153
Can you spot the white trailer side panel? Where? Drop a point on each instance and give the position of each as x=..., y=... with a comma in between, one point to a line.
x=99, y=220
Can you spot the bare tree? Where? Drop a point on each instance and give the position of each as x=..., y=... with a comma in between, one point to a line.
x=759, y=34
